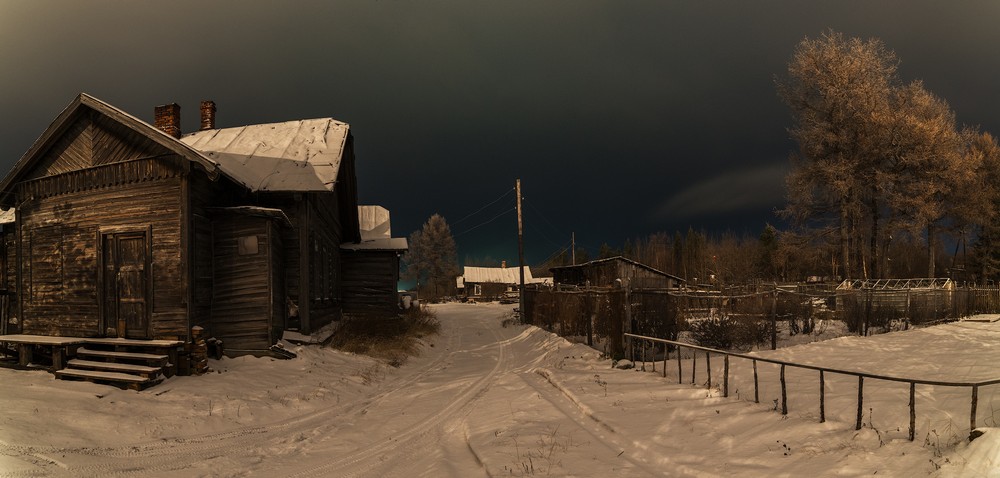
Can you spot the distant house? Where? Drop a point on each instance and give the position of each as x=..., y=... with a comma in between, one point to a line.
x=490, y=283
x=613, y=271
x=371, y=267
x=129, y=230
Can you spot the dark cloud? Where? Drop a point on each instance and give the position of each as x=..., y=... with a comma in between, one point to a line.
x=618, y=116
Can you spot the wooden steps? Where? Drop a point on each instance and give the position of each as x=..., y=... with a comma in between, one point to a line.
x=124, y=363
x=141, y=370
x=111, y=355
x=135, y=382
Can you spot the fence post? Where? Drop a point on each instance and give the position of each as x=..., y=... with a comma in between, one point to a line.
x=694, y=363
x=725, y=377
x=972, y=417
x=680, y=373
x=666, y=356
x=913, y=410
x=774, y=320
x=861, y=395
x=822, y=398
x=784, y=395
x=708, y=367
x=756, y=391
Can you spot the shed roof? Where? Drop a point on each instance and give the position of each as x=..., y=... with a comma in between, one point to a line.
x=301, y=155
x=381, y=244
x=496, y=275
x=618, y=258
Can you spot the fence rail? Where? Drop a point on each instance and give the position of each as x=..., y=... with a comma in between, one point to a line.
x=974, y=386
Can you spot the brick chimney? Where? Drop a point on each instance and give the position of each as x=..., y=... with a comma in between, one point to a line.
x=207, y=115
x=167, y=118
x=503, y=264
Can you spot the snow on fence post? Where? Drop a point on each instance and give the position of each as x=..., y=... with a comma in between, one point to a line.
x=913, y=410
x=861, y=388
x=756, y=391
x=972, y=416
x=822, y=398
x=784, y=395
x=774, y=319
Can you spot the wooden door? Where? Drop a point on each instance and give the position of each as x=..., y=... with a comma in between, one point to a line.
x=126, y=284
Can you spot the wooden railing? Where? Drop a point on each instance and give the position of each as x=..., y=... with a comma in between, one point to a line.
x=644, y=341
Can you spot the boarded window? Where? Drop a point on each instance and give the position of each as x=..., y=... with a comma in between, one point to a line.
x=247, y=245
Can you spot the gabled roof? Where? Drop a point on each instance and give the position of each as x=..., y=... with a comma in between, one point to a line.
x=70, y=113
x=496, y=275
x=302, y=155
x=618, y=258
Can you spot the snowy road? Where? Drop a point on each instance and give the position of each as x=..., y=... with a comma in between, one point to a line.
x=488, y=400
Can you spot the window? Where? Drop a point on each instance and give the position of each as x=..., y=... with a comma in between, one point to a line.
x=477, y=289
x=247, y=245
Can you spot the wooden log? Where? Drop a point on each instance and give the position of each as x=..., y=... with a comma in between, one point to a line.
x=24, y=356
x=861, y=401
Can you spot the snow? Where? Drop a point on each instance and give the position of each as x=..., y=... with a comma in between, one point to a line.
x=484, y=399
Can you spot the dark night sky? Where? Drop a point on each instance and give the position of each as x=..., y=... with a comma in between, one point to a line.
x=621, y=118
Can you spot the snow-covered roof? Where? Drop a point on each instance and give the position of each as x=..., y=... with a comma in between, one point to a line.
x=7, y=216
x=374, y=222
x=496, y=275
x=301, y=155
x=383, y=244
x=622, y=259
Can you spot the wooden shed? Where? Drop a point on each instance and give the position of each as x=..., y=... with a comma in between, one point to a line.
x=371, y=267
x=129, y=230
x=605, y=273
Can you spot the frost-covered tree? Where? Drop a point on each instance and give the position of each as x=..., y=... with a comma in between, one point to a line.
x=432, y=258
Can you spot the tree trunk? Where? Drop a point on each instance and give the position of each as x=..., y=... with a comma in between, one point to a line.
x=873, y=245
x=845, y=254
x=931, y=247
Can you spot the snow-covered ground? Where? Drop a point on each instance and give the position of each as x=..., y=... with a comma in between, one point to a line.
x=487, y=400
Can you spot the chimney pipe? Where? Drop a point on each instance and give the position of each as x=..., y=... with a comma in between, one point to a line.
x=207, y=115
x=167, y=118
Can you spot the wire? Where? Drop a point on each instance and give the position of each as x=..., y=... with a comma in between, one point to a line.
x=485, y=223
x=484, y=207
x=532, y=206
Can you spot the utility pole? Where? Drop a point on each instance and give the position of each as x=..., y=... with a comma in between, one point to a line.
x=572, y=246
x=520, y=248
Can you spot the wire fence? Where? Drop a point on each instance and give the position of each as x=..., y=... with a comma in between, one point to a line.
x=741, y=318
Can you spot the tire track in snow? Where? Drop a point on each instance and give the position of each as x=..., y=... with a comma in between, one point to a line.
x=163, y=455
x=408, y=442
x=543, y=382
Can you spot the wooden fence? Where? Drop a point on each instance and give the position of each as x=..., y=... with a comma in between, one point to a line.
x=644, y=341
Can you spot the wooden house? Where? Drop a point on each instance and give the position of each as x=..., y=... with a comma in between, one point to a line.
x=129, y=230
x=490, y=283
x=608, y=272
x=371, y=267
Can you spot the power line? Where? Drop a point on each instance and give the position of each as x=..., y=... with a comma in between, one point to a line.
x=484, y=207
x=485, y=223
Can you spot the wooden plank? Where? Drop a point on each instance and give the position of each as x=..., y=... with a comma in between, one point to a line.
x=114, y=367
x=99, y=375
x=122, y=355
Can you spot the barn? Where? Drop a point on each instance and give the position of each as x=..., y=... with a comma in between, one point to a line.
x=136, y=232
x=606, y=273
